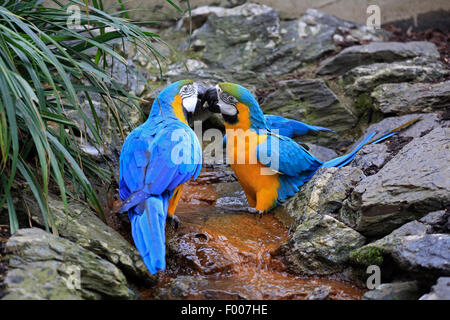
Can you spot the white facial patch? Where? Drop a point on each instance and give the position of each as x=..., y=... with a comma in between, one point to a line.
x=189, y=103
x=188, y=95
x=225, y=108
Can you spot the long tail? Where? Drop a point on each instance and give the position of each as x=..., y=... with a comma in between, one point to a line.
x=345, y=159
x=147, y=228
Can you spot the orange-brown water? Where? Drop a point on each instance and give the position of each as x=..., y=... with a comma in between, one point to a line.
x=231, y=255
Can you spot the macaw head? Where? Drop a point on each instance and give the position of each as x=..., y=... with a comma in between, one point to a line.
x=180, y=98
x=236, y=104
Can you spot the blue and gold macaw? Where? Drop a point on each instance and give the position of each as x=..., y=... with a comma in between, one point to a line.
x=156, y=159
x=295, y=165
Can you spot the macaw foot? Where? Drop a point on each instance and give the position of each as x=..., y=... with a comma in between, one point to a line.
x=256, y=211
x=173, y=220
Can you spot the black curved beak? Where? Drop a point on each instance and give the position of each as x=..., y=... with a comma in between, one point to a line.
x=210, y=97
x=201, y=91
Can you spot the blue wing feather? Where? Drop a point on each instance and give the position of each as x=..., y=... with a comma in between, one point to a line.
x=294, y=163
x=290, y=127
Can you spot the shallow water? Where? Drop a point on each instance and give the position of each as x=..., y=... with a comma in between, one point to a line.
x=223, y=254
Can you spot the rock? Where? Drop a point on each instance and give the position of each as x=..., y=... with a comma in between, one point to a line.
x=374, y=253
x=415, y=182
x=211, y=76
x=244, y=33
x=198, y=17
x=323, y=194
x=178, y=289
x=311, y=101
x=440, y=291
x=190, y=65
x=403, y=98
x=194, y=287
x=320, y=246
x=412, y=247
x=322, y=153
x=319, y=293
x=365, y=78
x=110, y=133
x=371, y=158
x=426, y=253
x=230, y=196
x=438, y=220
x=44, y=266
x=314, y=35
x=130, y=77
x=426, y=123
x=199, y=253
x=83, y=227
x=408, y=290
x=376, y=52
x=251, y=37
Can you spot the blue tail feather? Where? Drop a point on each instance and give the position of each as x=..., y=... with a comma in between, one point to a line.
x=345, y=159
x=147, y=228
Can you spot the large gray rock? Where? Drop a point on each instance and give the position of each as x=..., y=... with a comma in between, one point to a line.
x=246, y=33
x=44, y=266
x=323, y=194
x=365, y=78
x=251, y=37
x=311, y=101
x=438, y=220
x=83, y=227
x=374, y=253
x=320, y=246
x=403, y=98
x=376, y=52
x=408, y=290
x=413, y=247
x=426, y=253
x=440, y=291
x=415, y=182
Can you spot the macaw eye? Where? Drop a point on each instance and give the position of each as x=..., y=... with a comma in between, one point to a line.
x=228, y=99
x=187, y=91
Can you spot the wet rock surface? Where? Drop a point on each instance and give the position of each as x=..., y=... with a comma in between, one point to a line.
x=252, y=37
x=320, y=245
x=376, y=52
x=440, y=291
x=367, y=77
x=415, y=247
x=311, y=101
x=323, y=194
x=412, y=184
x=84, y=228
x=403, y=98
x=394, y=291
x=44, y=266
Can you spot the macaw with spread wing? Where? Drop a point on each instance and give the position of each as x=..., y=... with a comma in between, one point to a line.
x=282, y=166
x=156, y=159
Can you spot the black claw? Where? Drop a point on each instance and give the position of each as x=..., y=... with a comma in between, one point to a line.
x=173, y=220
x=260, y=214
